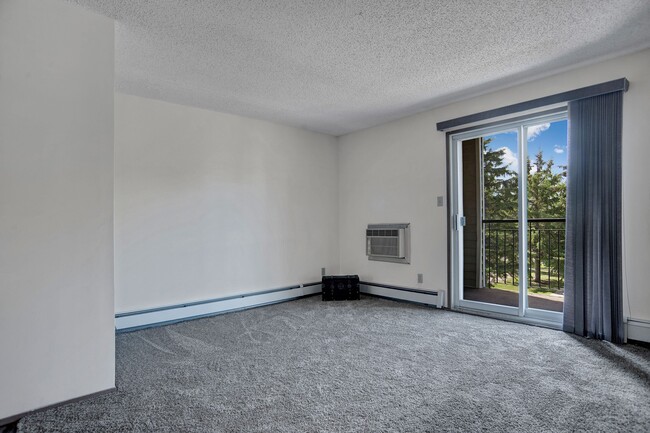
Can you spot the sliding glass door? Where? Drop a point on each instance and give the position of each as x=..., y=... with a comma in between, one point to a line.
x=507, y=212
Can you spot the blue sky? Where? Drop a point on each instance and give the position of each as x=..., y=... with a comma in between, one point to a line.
x=550, y=138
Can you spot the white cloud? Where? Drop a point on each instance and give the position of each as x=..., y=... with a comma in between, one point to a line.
x=534, y=131
x=510, y=159
x=558, y=149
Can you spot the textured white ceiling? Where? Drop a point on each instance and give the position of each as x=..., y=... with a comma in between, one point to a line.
x=337, y=66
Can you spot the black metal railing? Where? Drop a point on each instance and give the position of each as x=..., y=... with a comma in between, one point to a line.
x=546, y=243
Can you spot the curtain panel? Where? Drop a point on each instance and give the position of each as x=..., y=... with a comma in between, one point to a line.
x=593, y=300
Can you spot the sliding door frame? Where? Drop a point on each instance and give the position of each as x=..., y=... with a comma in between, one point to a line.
x=455, y=178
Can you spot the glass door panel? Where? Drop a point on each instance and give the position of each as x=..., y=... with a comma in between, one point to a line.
x=546, y=192
x=490, y=166
x=508, y=214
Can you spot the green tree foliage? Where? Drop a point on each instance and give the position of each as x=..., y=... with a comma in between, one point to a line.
x=499, y=183
x=500, y=187
x=546, y=199
x=546, y=189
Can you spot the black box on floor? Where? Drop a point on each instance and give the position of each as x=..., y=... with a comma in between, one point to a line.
x=341, y=288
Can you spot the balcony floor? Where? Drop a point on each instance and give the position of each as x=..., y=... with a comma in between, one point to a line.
x=506, y=297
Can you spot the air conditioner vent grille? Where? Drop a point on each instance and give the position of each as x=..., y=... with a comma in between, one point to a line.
x=393, y=233
x=388, y=242
x=385, y=246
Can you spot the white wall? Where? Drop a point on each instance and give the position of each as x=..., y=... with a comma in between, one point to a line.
x=210, y=204
x=56, y=204
x=393, y=173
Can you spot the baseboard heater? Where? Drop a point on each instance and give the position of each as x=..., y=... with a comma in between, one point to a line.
x=432, y=298
x=637, y=329
x=135, y=320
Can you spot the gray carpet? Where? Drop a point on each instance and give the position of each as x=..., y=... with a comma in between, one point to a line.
x=371, y=365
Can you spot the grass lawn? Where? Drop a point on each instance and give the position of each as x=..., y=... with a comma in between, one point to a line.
x=542, y=290
x=511, y=288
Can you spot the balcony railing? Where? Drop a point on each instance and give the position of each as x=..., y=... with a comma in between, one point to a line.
x=546, y=242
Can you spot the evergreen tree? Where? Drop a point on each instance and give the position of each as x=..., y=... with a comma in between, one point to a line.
x=499, y=184
x=546, y=189
x=546, y=199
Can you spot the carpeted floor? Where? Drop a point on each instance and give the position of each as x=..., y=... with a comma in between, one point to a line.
x=371, y=365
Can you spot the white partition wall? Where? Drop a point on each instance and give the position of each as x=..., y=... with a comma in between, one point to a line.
x=56, y=204
x=210, y=205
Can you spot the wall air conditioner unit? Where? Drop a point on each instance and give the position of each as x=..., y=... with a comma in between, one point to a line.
x=388, y=242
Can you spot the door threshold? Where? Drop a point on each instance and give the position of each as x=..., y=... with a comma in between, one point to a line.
x=510, y=318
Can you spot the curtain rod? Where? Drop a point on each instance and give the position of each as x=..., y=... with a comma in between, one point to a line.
x=571, y=95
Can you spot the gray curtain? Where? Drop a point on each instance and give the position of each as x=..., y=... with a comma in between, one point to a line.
x=593, y=300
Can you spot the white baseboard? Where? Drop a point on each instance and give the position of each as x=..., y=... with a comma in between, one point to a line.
x=177, y=313
x=436, y=299
x=636, y=329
